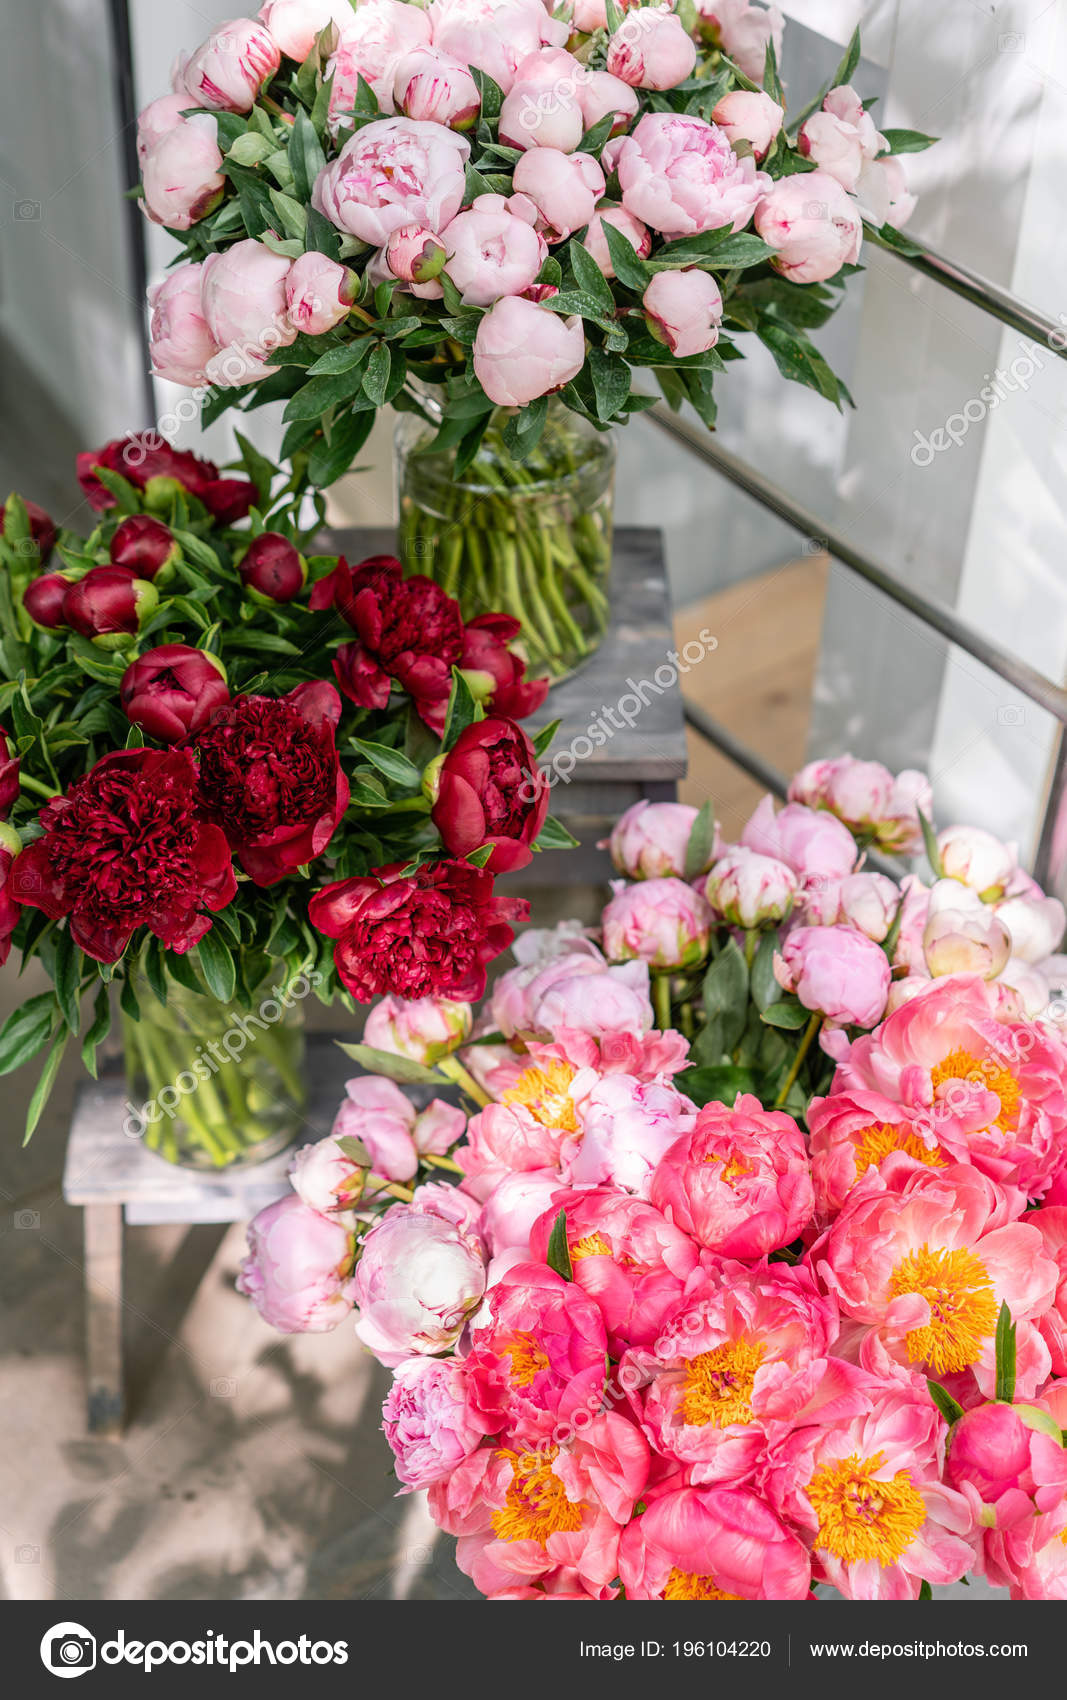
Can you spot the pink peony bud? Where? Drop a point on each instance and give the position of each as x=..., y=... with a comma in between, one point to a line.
x=680, y=176
x=415, y=255
x=684, y=310
x=750, y=890
x=435, y=88
x=243, y=300
x=318, y=293
x=836, y=971
x=423, y=1030
x=375, y=38
x=869, y=902
x=181, y=343
x=743, y=31
x=564, y=188
x=273, y=566
x=180, y=172
x=812, y=224
x=749, y=117
x=663, y=922
x=382, y=1117
x=875, y=806
x=298, y=1271
x=491, y=254
x=841, y=137
x=494, y=35
x=295, y=24
x=650, y=840
x=977, y=859
x=963, y=935
x=228, y=70
x=145, y=545
x=1008, y=1461
x=1036, y=925
x=523, y=350
x=173, y=690
x=544, y=111
x=651, y=50
x=600, y=93
x=108, y=605
x=419, y=1280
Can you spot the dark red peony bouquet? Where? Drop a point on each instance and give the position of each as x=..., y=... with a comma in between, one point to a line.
x=222, y=756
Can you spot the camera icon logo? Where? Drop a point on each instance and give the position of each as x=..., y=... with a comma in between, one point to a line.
x=68, y=1649
x=223, y=1387
x=27, y=1219
x=27, y=212
x=27, y=1555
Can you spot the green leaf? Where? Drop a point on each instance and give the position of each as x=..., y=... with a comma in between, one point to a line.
x=313, y=398
x=933, y=854
x=250, y=149
x=26, y=1031
x=554, y=836
x=718, y=1083
x=543, y=739
x=725, y=992
x=259, y=469
x=291, y=213
x=217, y=966
x=98, y=1029
x=632, y=272
x=387, y=1063
x=478, y=858
x=125, y=495
x=589, y=277
x=343, y=357
x=355, y=1149
x=699, y=844
x=376, y=377
x=66, y=972
x=946, y=1404
x=798, y=359
x=764, y=987
x=461, y=710
x=844, y=71
x=558, y=1254
x=1005, y=1343
x=790, y=1016
x=305, y=155
x=43, y=1090
x=321, y=237
x=611, y=382
x=925, y=1590
x=491, y=94
x=392, y=763
x=329, y=461
x=908, y=141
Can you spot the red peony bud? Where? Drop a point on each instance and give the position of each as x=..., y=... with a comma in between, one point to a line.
x=272, y=566
x=145, y=545
x=9, y=776
x=173, y=690
x=42, y=527
x=490, y=790
x=108, y=605
x=43, y=600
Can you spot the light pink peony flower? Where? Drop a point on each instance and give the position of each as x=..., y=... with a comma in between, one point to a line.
x=684, y=310
x=600, y=93
x=869, y=902
x=424, y=1029
x=650, y=49
x=511, y=1209
x=494, y=35
x=418, y=1281
x=392, y=173
x=427, y=1421
x=866, y=1493
x=640, y=240
x=650, y=840
x=680, y=176
x=812, y=224
x=325, y=1178
x=298, y=1271
x=743, y=31
x=228, y=70
x=924, y=1258
x=750, y=890
x=991, y=1089
x=435, y=88
x=318, y=293
x=158, y=119
x=624, y=1128
x=373, y=42
x=543, y=108
x=180, y=163
x=663, y=922
x=382, y=1117
x=963, y=935
x=873, y=804
x=1008, y=1461
x=749, y=117
x=295, y=24
x=539, y=1357
x=853, y=1131
x=838, y=972
x=740, y=1182
x=977, y=859
x=841, y=138
x=884, y=194
x=816, y=847
x=243, y=301
x=711, y=1544
x=180, y=342
x=523, y=350
x=564, y=187
x=491, y=253
x=1035, y=924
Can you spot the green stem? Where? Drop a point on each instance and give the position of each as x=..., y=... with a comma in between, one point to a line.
x=661, y=1000
x=31, y=784
x=442, y=1163
x=454, y=1070
x=803, y=1048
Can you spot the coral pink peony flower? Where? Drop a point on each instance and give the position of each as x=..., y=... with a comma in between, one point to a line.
x=1051, y=1224
x=392, y=173
x=749, y=117
x=814, y=227
x=435, y=88
x=228, y=70
x=867, y=1494
x=663, y=922
x=750, y=890
x=418, y=1281
x=427, y=1421
x=298, y=1271
x=683, y=309
x=624, y=1128
x=526, y=1130
x=625, y=1255
x=523, y=351
x=564, y=187
x=739, y=1183
x=926, y=1257
x=711, y=1544
x=491, y=253
x=873, y=804
x=373, y=41
x=680, y=176
x=838, y=972
x=538, y=1358
x=181, y=343
x=650, y=49
x=650, y=840
x=854, y=1130
x=990, y=1088
x=1029, y=1559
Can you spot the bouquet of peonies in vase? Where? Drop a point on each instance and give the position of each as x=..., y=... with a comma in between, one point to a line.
x=467, y=208
x=237, y=773
x=762, y=1293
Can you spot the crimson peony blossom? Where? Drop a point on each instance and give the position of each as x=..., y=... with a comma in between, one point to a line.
x=495, y=667
x=141, y=460
x=173, y=690
x=127, y=847
x=426, y=934
x=490, y=790
x=271, y=778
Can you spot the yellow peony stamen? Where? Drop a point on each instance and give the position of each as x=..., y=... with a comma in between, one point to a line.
x=687, y=1585
x=877, y=1142
x=718, y=1384
x=963, y=1306
x=862, y=1517
x=542, y=1090
x=528, y=1359
x=536, y=1503
x=984, y=1071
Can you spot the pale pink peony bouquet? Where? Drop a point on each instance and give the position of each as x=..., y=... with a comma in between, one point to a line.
x=715, y=1310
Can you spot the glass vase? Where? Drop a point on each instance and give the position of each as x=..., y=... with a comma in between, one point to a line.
x=215, y=1085
x=531, y=537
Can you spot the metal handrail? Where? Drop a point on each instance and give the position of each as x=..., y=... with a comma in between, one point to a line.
x=989, y=297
